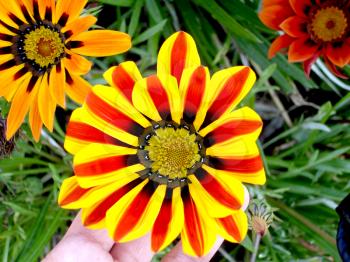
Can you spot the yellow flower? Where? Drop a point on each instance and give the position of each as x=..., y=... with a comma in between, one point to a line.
x=166, y=153
x=41, y=43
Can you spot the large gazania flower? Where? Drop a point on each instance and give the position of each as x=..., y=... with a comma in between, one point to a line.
x=41, y=43
x=312, y=29
x=165, y=153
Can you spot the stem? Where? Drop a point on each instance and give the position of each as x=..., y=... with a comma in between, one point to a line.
x=256, y=247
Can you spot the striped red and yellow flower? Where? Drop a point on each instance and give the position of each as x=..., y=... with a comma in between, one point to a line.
x=41, y=48
x=311, y=29
x=166, y=154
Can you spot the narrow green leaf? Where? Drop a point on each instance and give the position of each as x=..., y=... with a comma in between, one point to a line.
x=149, y=32
x=125, y=3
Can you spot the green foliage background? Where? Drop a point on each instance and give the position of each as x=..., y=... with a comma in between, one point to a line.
x=306, y=138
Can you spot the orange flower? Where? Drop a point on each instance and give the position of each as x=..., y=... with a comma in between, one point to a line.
x=312, y=29
x=166, y=154
x=41, y=43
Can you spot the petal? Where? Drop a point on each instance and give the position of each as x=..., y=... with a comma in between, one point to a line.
x=47, y=105
x=134, y=215
x=123, y=77
x=114, y=112
x=197, y=236
x=169, y=222
x=302, y=49
x=76, y=64
x=47, y=9
x=35, y=120
x=308, y=63
x=100, y=43
x=227, y=88
x=20, y=105
x=158, y=98
x=57, y=84
x=252, y=173
x=177, y=53
x=237, y=123
x=281, y=42
x=9, y=79
x=73, y=196
x=94, y=216
x=273, y=15
x=334, y=69
x=81, y=133
x=76, y=87
x=266, y=3
x=339, y=53
x=26, y=7
x=13, y=12
x=302, y=8
x=233, y=228
x=295, y=26
x=67, y=11
x=193, y=84
x=214, y=195
x=78, y=26
x=71, y=192
x=98, y=164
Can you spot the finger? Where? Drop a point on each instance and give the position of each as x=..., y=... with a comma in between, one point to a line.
x=177, y=255
x=136, y=250
x=99, y=236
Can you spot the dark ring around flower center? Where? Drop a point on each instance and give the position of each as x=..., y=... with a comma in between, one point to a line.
x=18, y=48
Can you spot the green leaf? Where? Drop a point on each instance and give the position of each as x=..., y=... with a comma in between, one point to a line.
x=226, y=20
x=125, y=3
x=149, y=32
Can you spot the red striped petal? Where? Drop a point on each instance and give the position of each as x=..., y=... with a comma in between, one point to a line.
x=134, y=211
x=244, y=165
x=229, y=93
x=88, y=133
x=112, y=115
x=123, y=81
x=159, y=96
x=99, y=211
x=215, y=189
x=105, y=165
x=230, y=226
x=74, y=195
x=231, y=129
x=193, y=226
x=194, y=95
x=161, y=225
x=178, y=56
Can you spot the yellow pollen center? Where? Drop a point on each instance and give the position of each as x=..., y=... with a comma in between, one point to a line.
x=173, y=152
x=43, y=46
x=329, y=24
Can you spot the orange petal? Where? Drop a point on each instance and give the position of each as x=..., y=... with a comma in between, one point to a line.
x=78, y=26
x=339, y=53
x=301, y=8
x=77, y=64
x=57, y=84
x=67, y=11
x=100, y=43
x=279, y=43
x=35, y=120
x=266, y=3
x=295, y=26
x=20, y=104
x=47, y=9
x=272, y=16
x=76, y=87
x=301, y=50
x=46, y=103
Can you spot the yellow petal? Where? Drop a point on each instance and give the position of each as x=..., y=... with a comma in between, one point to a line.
x=57, y=84
x=35, y=120
x=47, y=105
x=76, y=64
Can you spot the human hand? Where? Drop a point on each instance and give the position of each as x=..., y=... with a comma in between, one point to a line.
x=82, y=244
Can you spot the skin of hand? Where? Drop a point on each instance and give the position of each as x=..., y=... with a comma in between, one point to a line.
x=81, y=244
